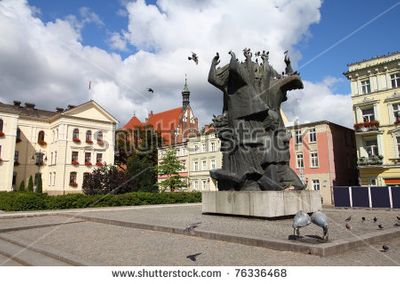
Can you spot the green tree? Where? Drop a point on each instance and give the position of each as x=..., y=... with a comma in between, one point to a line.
x=169, y=167
x=30, y=184
x=22, y=186
x=105, y=180
x=142, y=173
x=39, y=184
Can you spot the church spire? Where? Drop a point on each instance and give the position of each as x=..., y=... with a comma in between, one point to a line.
x=185, y=94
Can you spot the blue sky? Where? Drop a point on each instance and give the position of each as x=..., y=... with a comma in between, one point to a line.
x=126, y=46
x=339, y=18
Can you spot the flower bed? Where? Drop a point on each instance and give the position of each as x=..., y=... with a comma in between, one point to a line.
x=88, y=164
x=42, y=143
x=368, y=125
x=76, y=140
x=99, y=164
x=75, y=163
x=2, y=134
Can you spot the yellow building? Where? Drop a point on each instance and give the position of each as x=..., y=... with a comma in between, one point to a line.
x=375, y=90
x=61, y=146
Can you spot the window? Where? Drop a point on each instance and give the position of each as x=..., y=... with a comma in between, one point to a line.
x=55, y=157
x=372, y=148
x=396, y=112
x=395, y=78
x=88, y=158
x=204, y=147
x=213, y=146
x=89, y=136
x=0, y=152
x=195, y=165
x=196, y=185
x=298, y=136
x=313, y=135
x=315, y=184
x=368, y=114
x=99, y=158
x=365, y=87
x=212, y=164
x=398, y=146
x=183, y=163
x=18, y=135
x=72, y=179
x=1, y=125
x=299, y=161
x=204, y=165
x=16, y=157
x=50, y=178
x=204, y=182
x=41, y=136
x=51, y=158
x=314, y=160
x=75, y=134
x=74, y=157
x=372, y=181
x=196, y=148
x=54, y=178
x=100, y=136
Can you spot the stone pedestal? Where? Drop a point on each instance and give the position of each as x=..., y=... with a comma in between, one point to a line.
x=265, y=204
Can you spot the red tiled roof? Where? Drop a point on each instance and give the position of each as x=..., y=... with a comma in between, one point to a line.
x=132, y=123
x=164, y=120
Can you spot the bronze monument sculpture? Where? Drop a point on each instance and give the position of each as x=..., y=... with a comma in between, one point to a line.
x=254, y=141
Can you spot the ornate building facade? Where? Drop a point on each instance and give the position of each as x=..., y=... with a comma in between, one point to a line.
x=375, y=93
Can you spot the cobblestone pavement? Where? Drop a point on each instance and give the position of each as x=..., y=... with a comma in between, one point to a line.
x=103, y=244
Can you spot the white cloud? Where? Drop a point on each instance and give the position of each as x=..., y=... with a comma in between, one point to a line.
x=48, y=64
x=317, y=102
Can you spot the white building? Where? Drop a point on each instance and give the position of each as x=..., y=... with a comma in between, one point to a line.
x=61, y=146
x=198, y=155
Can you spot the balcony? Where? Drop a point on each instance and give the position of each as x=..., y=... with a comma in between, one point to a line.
x=367, y=127
x=370, y=161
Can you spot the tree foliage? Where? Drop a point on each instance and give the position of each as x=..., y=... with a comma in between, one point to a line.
x=169, y=167
x=30, y=184
x=105, y=180
x=22, y=186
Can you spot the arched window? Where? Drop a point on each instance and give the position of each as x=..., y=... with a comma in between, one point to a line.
x=89, y=136
x=75, y=135
x=1, y=125
x=41, y=136
x=72, y=179
x=100, y=136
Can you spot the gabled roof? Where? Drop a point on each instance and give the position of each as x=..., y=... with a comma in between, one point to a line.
x=164, y=120
x=132, y=123
x=27, y=112
x=76, y=109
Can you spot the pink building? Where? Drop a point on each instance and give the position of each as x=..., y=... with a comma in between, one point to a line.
x=324, y=155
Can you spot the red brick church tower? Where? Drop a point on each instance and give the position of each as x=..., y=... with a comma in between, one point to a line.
x=175, y=125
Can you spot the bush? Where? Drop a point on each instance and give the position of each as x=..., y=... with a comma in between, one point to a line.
x=30, y=184
x=23, y=201
x=22, y=186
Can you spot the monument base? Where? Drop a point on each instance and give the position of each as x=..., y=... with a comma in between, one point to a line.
x=264, y=204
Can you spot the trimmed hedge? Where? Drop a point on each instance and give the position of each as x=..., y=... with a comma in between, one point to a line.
x=25, y=201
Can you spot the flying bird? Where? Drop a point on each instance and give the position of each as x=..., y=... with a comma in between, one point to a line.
x=348, y=219
x=348, y=226
x=194, y=57
x=193, y=257
x=375, y=219
x=191, y=227
x=150, y=90
x=380, y=227
x=363, y=219
x=385, y=248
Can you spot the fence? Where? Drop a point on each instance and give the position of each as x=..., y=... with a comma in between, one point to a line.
x=367, y=196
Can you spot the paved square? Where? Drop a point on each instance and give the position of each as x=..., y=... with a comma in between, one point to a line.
x=153, y=235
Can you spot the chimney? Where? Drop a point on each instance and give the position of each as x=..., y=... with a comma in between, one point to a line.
x=150, y=113
x=30, y=105
x=71, y=106
x=17, y=103
x=59, y=109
